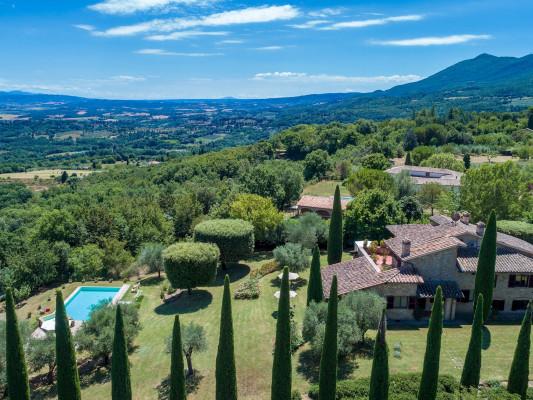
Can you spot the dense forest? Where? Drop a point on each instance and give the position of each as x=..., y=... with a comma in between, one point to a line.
x=96, y=226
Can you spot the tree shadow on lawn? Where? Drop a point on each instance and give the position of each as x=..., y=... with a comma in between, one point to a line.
x=234, y=271
x=293, y=285
x=309, y=366
x=191, y=385
x=185, y=304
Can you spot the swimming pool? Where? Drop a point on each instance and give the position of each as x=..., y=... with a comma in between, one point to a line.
x=85, y=298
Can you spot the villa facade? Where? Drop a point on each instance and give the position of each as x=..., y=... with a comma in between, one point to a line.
x=409, y=267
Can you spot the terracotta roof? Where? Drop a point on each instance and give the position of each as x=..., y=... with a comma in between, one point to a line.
x=502, y=238
x=359, y=274
x=321, y=202
x=422, y=246
x=507, y=260
x=450, y=289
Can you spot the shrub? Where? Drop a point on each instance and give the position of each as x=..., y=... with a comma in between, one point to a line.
x=265, y=269
x=188, y=265
x=248, y=290
x=234, y=237
x=308, y=230
x=376, y=161
x=520, y=229
x=402, y=387
x=292, y=255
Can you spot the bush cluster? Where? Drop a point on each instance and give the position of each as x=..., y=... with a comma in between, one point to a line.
x=248, y=290
x=234, y=237
x=265, y=269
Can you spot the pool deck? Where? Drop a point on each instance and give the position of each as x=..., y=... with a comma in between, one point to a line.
x=47, y=323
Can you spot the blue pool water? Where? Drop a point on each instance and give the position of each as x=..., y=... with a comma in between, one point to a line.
x=80, y=305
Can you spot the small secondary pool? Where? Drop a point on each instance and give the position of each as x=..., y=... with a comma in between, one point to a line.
x=85, y=298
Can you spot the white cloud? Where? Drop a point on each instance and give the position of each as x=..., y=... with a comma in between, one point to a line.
x=161, y=52
x=249, y=15
x=320, y=78
x=127, y=78
x=310, y=24
x=231, y=41
x=269, y=48
x=432, y=40
x=326, y=12
x=85, y=27
x=180, y=35
x=363, y=23
x=132, y=6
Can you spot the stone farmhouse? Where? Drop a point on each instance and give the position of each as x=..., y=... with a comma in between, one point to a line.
x=407, y=269
x=322, y=205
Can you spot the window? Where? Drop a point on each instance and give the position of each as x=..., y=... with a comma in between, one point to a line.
x=520, y=281
x=519, y=305
x=498, y=305
x=401, y=302
x=466, y=298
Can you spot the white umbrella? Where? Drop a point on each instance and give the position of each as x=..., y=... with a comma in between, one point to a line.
x=292, y=294
x=292, y=276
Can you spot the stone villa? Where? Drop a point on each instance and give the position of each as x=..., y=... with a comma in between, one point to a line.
x=322, y=205
x=407, y=269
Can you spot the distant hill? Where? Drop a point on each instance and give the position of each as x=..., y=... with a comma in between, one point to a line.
x=484, y=83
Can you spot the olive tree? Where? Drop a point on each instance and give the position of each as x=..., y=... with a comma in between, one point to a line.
x=189, y=265
x=234, y=238
x=193, y=340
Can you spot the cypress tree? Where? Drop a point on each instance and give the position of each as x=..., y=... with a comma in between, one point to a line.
x=408, y=159
x=430, y=373
x=177, y=373
x=466, y=160
x=486, y=265
x=518, y=376
x=327, y=385
x=120, y=366
x=16, y=372
x=68, y=380
x=472, y=367
x=314, y=289
x=530, y=120
x=281, y=368
x=379, y=378
x=226, y=375
x=335, y=230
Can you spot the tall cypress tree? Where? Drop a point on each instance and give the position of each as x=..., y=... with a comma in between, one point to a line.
x=335, y=230
x=177, y=373
x=314, y=288
x=281, y=368
x=120, y=365
x=379, y=378
x=327, y=389
x=226, y=375
x=486, y=265
x=430, y=373
x=408, y=159
x=17, y=374
x=68, y=380
x=472, y=367
x=518, y=376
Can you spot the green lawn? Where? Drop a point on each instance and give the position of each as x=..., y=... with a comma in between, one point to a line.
x=325, y=188
x=254, y=336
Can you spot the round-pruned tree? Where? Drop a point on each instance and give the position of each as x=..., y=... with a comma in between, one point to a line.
x=189, y=265
x=234, y=238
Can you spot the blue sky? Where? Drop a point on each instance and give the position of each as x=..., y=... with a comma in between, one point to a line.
x=217, y=48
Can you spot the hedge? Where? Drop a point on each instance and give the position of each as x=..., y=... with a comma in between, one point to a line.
x=188, y=265
x=520, y=229
x=402, y=386
x=234, y=237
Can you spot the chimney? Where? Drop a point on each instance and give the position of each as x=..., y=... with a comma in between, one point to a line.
x=465, y=218
x=480, y=228
x=406, y=247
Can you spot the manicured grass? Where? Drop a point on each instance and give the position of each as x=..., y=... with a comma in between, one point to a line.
x=254, y=327
x=325, y=188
